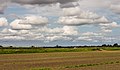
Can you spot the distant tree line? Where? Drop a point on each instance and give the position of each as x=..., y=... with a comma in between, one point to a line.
x=114, y=45
x=57, y=46
x=104, y=45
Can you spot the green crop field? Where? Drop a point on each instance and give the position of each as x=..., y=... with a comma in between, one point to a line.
x=60, y=59
x=49, y=50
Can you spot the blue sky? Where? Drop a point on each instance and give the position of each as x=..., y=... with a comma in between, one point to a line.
x=48, y=23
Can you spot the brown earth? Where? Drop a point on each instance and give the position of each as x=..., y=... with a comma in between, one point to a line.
x=59, y=60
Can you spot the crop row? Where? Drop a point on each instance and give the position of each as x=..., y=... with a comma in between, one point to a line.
x=96, y=64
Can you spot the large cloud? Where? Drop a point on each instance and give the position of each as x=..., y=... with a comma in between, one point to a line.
x=15, y=25
x=84, y=39
x=65, y=30
x=76, y=17
x=73, y=21
x=71, y=11
x=57, y=38
x=69, y=30
x=109, y=26
x=8, y=31
x=35, y=20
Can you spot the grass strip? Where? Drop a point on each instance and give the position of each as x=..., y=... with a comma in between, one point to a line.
x=44, y=68
x=97, y=64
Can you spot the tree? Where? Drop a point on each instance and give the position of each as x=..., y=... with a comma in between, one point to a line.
x=104, y=45
x=11, y=46
x=115, y=45
x=32, y=46
x=57, y=46
x=1, y=46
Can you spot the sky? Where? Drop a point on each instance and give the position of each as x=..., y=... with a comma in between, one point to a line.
x=59, y=22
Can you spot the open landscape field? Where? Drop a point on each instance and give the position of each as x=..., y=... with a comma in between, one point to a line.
x=66, y=60
x=59, y=34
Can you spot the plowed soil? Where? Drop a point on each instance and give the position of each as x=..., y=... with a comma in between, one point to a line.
x=60, y=60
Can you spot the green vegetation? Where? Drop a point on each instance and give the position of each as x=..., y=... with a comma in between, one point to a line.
x=97, y=64
x=57, y=48
x=111, y=48
x=41, y=50
x=13, y=50
x=41, y=69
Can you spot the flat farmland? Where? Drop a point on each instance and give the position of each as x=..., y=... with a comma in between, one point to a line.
x=92, y=60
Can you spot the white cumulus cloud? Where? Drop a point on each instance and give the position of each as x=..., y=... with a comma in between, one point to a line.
x=15, y=25
x=37, y=20
x=69, y=30
x=74, y=21
x=34, y=20
x=91, y=34
x=109, y=26
x=71, y=11
x=77, y=18
x=85, y=38
x=56, y=38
